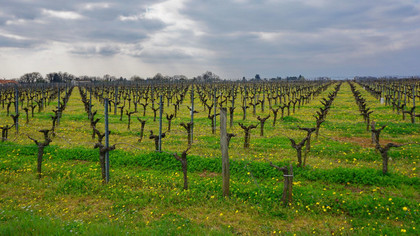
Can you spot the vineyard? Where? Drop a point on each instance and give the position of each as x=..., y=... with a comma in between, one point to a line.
x=309, y=157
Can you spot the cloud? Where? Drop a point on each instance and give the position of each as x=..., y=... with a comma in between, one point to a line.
x=68, y=15
x=8, y=41
x=235, y=38
x=96, y=50
x=95, y=5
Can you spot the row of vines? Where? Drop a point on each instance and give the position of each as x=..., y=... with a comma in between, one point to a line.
x=351, y=133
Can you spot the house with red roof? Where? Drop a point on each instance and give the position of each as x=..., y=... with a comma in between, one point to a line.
x=8, y=81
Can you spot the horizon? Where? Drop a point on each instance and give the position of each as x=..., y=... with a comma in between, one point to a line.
x=249, y=78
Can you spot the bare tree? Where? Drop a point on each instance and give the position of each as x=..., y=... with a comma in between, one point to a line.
x=129, y=113
x=376, y=132
x=275, y=112
x=15, y=119
x=213, y=127
x=229, y=137
x=143, y=123
x=247, y=131
x=156, y=138
x=102, y=152
x=5, y=132
x=231, y=110
x=121, y=111
x=384, y=153
x=188, y=128
x=169, y=118
x=41, y=146
x=298, y=148
x=27, y=114
x=154, y=113
x=262, y=121
x=184, y=163
x=309, y=132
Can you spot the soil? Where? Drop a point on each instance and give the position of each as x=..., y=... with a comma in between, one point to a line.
x=207, y=174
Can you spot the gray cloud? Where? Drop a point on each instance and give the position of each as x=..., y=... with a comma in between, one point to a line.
x=106, y=50
x=316, y=37
x=11, y=42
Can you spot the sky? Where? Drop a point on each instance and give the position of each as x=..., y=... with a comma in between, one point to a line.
x=231, y=38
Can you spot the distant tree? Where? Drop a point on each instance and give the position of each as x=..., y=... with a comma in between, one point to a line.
x=257, y=77
x=60, y=77
x=85, y=78
x=180, y=77
x=323, y=79
x=67, y=77
x=108, y=77
x=158, y=77
x=136, y=78
x=210, y=76
x=34, y=77
x=53, y=77
x=291, y=78
x=96, y=78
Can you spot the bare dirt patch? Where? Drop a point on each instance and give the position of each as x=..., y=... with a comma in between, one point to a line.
x=207, y=174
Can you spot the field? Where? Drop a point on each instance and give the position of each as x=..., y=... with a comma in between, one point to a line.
x=341, y=189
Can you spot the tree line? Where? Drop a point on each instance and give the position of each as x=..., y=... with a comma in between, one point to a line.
x=208, y=76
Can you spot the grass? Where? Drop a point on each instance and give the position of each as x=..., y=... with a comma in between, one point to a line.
x=341, y=191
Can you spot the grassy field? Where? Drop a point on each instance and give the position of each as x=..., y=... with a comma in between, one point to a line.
x=341, y=190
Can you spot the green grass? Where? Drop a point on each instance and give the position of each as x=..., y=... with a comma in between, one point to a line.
x=154, y=180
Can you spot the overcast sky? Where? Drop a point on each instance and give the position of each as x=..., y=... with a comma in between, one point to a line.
x=230, y=38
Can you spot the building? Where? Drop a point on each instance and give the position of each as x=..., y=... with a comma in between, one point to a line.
x=6, y=81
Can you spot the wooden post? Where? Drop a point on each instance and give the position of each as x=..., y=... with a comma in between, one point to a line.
x=106, y=142
x=115, y=100
x=231, y=110
x=224, y=149
x=215, y=106
x=90, y=101
x=160, y=123
x=244, y=104
x=17, y=109
x=58, y=106
x=414, y=103
x=287, y=197
x=289, y=177
x=192, y=114
x=153, y=96
x=263, y=100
